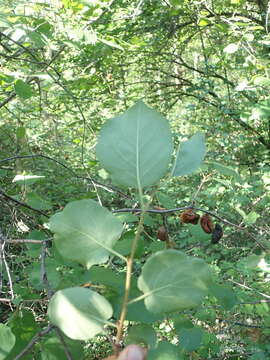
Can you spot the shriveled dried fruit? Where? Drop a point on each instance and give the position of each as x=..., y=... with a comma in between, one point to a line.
x=217, y=234
x=189, y=217
x=162, y=233
x=206, y=223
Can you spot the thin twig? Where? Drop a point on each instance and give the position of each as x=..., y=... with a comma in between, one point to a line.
x=63, y=342
x=128, y=282
x=23, y=204
x=166, y=211
x=249, y=288
x=4, y=261
x=34, y=340
x=108, y=188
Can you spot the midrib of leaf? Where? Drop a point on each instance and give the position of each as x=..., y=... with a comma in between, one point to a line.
x=97, y=242
x=138, y=153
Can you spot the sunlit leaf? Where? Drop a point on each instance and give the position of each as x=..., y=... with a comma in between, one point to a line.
x=85, y=232
x=135, y=148
x=190, y=155
x=22, y=89
x=80, y=313
x=7, y=341
x=173, y=281
x=231, y=48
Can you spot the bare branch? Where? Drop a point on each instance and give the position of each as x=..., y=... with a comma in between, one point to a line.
x=34, y=340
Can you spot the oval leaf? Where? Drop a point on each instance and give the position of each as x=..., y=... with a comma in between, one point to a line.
x=7, y=341
x=80, y=313
x=165, y=351
x=85, y=232
x=136, y=147
x=190, y=155
x=22, y=89
x=173, y=281
x=142, y=334
x=191, y=339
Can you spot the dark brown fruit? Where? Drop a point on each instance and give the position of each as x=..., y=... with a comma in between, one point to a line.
x=189, y=217
x=207, y=224
x=217, y=234
x=162, y=234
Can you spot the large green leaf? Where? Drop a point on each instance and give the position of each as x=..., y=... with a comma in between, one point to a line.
x=85, y=232
x=165, y=351
x=173, y=281
x=53, y=349
x=191, y=339
x=7, y=341
x=135, y=148
x=22, y=89
x=190, y=155
x=79, y=312
x=141, y=334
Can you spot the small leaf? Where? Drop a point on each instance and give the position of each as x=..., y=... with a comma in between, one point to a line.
x=142, y=334
x=22, y=89
x=20, y=132
x=204, y=22
x=191, y=339
x=27, y=179
x=225, y=295
x=53, y=349
x=164, y=351
x=173, y=281
x=85, y=232
x=7, y=341
x=80, y=313
x=226, y=170
x=135, y=148
x=190, y=155
x=231, y=48
x=251, y=218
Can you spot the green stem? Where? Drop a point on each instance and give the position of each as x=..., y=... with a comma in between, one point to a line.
x=130, y=261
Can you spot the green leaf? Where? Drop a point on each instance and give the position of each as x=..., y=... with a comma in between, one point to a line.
x=53, y=349
x=225, y=295
x=20, y=132
x=141, y=334
x=124, y=245
x=190, y=155
x=165, y=200
x=27, y=179
x=251, y=218
x=191, y=339
x=24, y=327
x=34, y=200
x=80, y=313
x=85, y=232
x=135, y=148
x=164, y=351
x=204, y=22
x=226, y=170
x=173, y=281
x=7, y=341
x=22, y=89
x=231, y=48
